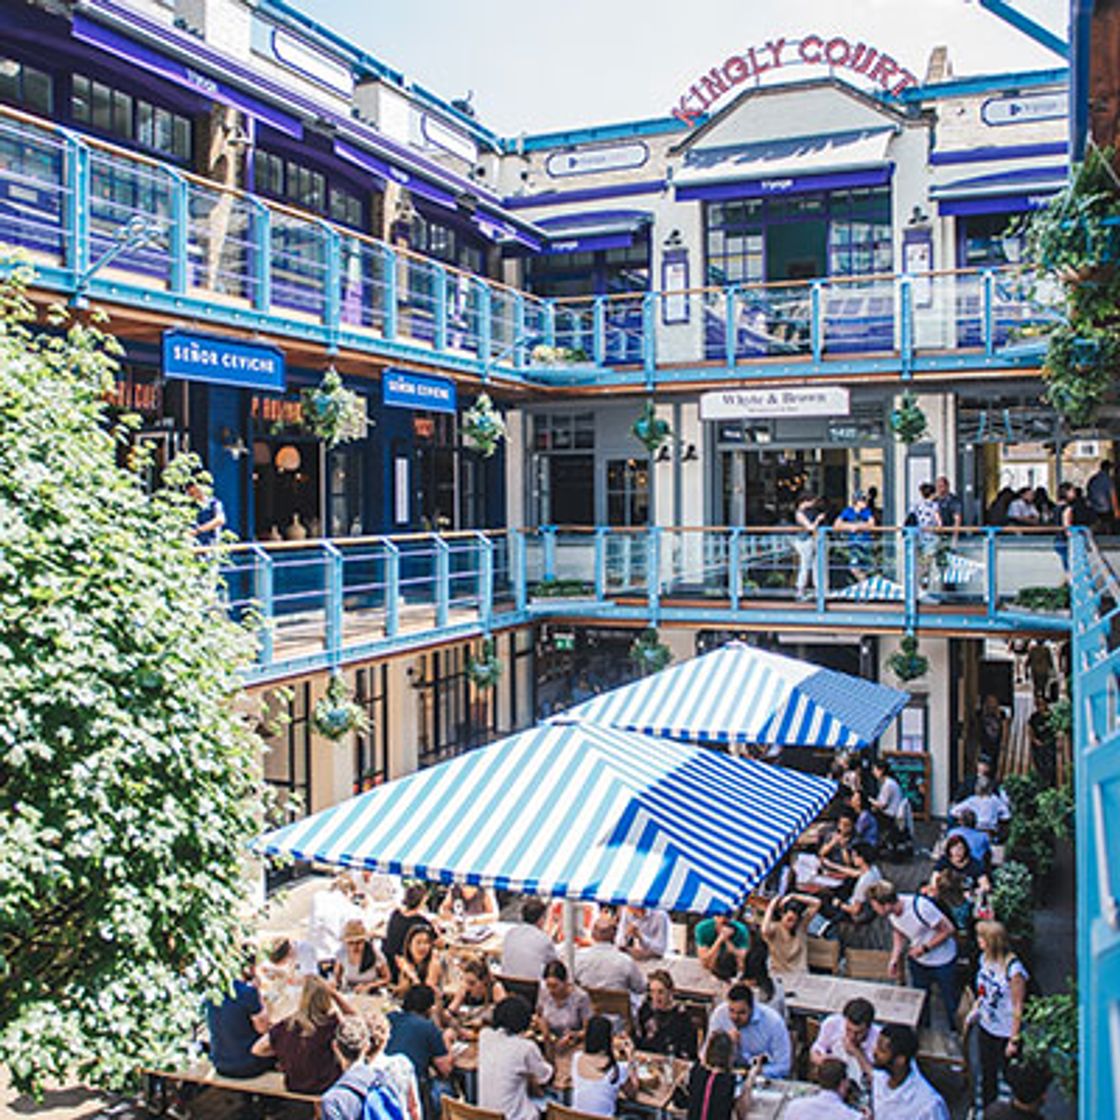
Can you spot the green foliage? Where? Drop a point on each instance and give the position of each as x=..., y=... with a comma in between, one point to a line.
x=1060, y=717
x=557, y=355
x=129, y=781
x=332, y=412
x=1043, y=598
x=908, y=421
x=1022, y=792
x=484, y=671
x=1031, y=841
x=1082, y=360
x=1055, y=811
x=1013, y=899
x=650, y=430
x=1050, y=1036
x=336, y=714
x=906, y=662
x=649, y=654
x=483, y=426
x=562, y=589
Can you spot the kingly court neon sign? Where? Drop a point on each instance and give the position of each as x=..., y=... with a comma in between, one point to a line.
x=837, y=53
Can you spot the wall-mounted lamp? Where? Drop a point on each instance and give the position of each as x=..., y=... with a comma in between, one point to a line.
x=918, y=217
x=690, y=454
x=287, y=458
x=674, y=240
x=232, y=443
x=663, y=455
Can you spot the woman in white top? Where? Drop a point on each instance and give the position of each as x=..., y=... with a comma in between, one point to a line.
x=360, y=968
x=1001, y=990
x=597, y=1078
x=397, y=1068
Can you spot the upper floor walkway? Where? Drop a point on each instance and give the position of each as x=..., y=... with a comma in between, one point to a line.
x=101, y=223
x=323, y=603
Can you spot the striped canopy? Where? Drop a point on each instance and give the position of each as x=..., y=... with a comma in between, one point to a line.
x=739, y=694
x=873, y=589
x=575, y=811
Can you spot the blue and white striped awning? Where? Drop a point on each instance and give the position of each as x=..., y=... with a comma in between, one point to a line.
x=961, y=569
x=874, y=589
x=739, y=694
x=575, y=811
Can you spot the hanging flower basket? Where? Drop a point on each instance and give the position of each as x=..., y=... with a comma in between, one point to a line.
x=650, y=430
x=332, y=412
x=908, y=421
x=906, y=662
x=543, y=355
x=484, y=671
x=649, y=654
x=483, y=427
x=336, y=714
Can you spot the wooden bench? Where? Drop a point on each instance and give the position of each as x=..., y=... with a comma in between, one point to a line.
x=203, y=1073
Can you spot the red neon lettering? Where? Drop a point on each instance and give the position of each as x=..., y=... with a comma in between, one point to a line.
x=810, y=42
x=775, y=49
x=835, y=58
x=714, y=84
x=736, y=70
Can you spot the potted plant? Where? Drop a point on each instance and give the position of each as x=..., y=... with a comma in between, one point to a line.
x=333, y=413
x=336, y=714
x=906, y=662
x=1051, y=599
x=1050, y=1036
x=545, y=355
x=552, y=588
x=1013, y=901
x=908, y=421
x=483, y=427
x=650, y=430
x=484, y=671
x=649, y=654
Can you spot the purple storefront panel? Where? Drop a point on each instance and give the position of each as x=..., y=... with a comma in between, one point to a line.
x=993, y=204
x=788, y=184
x=590, y=244
x=86, y=31
x=494, y=228
x=391, y=174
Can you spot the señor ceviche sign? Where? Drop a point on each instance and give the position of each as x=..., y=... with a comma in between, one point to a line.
x=836, y=53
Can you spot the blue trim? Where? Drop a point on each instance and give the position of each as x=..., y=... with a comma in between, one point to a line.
x=587, y=194
x=1081, y=50
x=985, y=83
x=1029, y=27
x=624, y=130
x=985, y=155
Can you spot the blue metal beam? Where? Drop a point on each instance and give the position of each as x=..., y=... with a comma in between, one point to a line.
x=1081, y=53
x=1029, y=27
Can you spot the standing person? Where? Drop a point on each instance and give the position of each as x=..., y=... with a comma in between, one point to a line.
x=510, y=1067
x=211, y=516
x=396, y=1068
x=598, y=1079
x=1001, y=991
x=663, y=1026
x=1044, y=505
x=898, y=1089
x=992, y=729
x=331, y=909
x=527, y=949
x=854, y=520
x=925, y=515
x=712, y=1085
x=1043, y=743
x=1100, y=491
x=927, y=938
x=1041, y=663
x=808, y=517
x=236, y=1023
x=949, y=506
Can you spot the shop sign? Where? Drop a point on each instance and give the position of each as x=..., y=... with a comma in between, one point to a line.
x=414, y=390
x=743, y=404
x=222, y=361
x=835, y=53
x=1025, y=109
x=593, y=161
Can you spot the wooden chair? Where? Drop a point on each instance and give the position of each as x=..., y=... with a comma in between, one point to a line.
x=824, y=955
x=522, y=986
x=563, y=1112
x=612, y=1002
x=869, y=964
x=451, y=1108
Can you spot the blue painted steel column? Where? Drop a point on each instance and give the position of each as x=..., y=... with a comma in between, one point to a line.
x=991, y=589
x=443, y=580
x=390, y=319
x=735, y=568
x=518, y=331
x=333, y=602
x=821, y=575
x=517, y=572
x=392, y=588
x=549, y=322
x=332, y=284
x=485, y=579
x=76, y=201
x=260, y=266
x=988, y=296
x=485, y=327
x=600, y=562
x=599, y=330
x=263, y=590
x=439, y=343
x=179, y=231
x=730, y=303
x=906, y=326
x=548, y=550
x=653, y=572
x=910, y=576
x=649, y=337
x=816, y=324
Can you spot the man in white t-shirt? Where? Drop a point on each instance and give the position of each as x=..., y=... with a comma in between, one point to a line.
x=990, y=808
x=827, y=1104
x=527, y=948
x=331, y=909
x=898, y=1090
x=849, y=1037
x=926, y=937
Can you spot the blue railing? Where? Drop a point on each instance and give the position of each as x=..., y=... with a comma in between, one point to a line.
x=323, y=602
x=99, y=221
x=1096, y=738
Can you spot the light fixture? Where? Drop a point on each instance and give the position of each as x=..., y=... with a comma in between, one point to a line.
x=663, y=455
x=690, y=454
x=918, y=217
x=674, y=240
x=287, y=458
x=232, y=443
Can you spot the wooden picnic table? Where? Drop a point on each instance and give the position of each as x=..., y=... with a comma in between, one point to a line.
x=811, y=994
x=690, y=978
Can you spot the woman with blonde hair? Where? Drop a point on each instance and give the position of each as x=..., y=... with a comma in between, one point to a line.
x=397, y=1068
x=1001, y=991
x=301, y=1043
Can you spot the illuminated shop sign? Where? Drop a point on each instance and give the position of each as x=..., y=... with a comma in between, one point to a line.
x=836, y=53
x=222, y=361
x=414, y=390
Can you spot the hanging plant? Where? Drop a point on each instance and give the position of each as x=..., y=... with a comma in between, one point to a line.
x=336, y=714
x=544, y=355
x=908, y=421
x=1082, y=359
x=649, y=654
x=484, y=671
x=1060, y=717
x=906, y=662
x=333, y=413
x=650, y=430
x=483, y=427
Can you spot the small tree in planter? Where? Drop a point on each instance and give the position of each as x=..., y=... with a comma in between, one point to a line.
x=485, y=670
x=649, y=654
x=336, y=714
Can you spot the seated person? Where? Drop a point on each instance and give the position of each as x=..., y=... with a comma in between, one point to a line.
x=830, y=1101
x=411, y=913
x=1028, y=1082
x=511, y=1070
x=598, y=1079
x=785, y=928
x=989, y=808
x=360, y=968
x=644, y=934
x=475, y=904
x=527, y=948
x=413, y=1033
x=867, y=827
x=768, y=989
x=757, y=1031
x=864, y=873
x=979, y=842
x=849, y=1037
x=984, y=769
x=899, y=1091
x=236, y=1023
x=888, y=801
x=602, y=965
x=419, y=962
x=562, y=1008
x=721, y=945
x=478, y=992
x=958, y=857
x=834, y=851
x=662, y=1026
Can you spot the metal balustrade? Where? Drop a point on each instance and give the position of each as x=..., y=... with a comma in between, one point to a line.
x=238, y=260
x=319, y=603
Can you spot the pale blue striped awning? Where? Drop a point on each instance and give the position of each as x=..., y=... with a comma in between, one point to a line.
x=739, y=694
x=575, y=811
x=874, y=589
